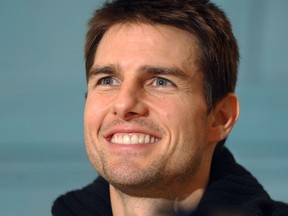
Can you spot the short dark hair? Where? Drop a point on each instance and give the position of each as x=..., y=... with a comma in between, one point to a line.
x=218, y=54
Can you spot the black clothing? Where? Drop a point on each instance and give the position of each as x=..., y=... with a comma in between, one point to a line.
x=231, y=191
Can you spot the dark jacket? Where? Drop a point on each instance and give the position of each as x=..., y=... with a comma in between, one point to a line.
x=232, y=191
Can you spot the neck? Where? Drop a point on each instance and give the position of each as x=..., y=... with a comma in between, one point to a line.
x=125, y=205
x=185, y=200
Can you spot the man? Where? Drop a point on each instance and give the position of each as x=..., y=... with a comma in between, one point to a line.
x=160, y=104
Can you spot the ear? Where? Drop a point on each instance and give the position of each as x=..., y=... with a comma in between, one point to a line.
x=223, y=117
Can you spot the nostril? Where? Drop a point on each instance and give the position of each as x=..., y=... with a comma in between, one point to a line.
x=128, y=113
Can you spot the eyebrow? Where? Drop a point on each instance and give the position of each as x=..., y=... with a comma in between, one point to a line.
x=109, y=69
x=158, y=70
x=145, y=69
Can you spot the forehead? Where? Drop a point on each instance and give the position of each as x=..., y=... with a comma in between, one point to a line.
x=149, y=30
x=135, y=44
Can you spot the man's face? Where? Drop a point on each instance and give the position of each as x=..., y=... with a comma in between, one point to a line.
x=146, y=121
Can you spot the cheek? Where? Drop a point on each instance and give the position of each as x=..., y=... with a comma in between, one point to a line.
x=185, y=122
x=92, y=121
x=89, y=116
x=95, y=109
x=179, y=113
x=94, y=114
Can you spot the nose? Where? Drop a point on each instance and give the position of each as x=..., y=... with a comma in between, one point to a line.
x=129, y=102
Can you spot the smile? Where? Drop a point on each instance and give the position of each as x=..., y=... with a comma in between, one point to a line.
x=133, y=138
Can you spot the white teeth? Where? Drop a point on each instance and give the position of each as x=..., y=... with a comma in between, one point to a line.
x=141, y=138
x=136, y=138
x=126, y=139
x=147, y=139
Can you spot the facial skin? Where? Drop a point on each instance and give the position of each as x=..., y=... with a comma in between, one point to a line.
x=147, y=130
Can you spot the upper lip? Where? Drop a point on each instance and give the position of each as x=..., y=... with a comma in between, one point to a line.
x=129, y=129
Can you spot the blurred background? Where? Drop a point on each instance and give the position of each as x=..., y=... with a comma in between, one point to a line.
x=42, y=86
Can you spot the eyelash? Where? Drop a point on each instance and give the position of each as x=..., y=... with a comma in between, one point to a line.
x=158, y=82
x=102, y=80
x=165, y=82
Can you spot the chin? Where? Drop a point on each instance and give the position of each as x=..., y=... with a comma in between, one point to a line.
x=131, y=177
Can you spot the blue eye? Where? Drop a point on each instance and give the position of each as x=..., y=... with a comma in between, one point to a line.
x=107, y=81
x=161, y=82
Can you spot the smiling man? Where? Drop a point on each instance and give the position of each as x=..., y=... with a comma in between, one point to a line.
x=160, y=104
x=146, y=123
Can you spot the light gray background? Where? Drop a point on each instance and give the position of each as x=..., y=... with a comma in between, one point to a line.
x=42, y=86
